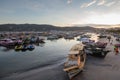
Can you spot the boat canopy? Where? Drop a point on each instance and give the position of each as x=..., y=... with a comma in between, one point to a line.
x=85, y=39
x=77, y=47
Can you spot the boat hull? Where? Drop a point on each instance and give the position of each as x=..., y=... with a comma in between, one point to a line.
x=72, y=74
x=74, y=71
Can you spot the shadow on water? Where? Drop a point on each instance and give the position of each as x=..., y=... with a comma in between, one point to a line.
x=40, y=44
x=6, y=49
x=48, y=58
x=50, y=65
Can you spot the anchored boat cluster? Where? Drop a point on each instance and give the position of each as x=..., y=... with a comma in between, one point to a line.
x=20, y=41
x=77, y=56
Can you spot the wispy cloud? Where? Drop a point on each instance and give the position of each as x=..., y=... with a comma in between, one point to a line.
x=69, y=1
x=88, y=4
x=101, y=2
x=110, y=4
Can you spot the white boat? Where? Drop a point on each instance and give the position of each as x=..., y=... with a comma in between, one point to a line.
x=76, y=60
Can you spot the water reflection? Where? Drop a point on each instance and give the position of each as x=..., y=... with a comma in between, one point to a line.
x=49, y=52
x=41, y=45
x=5, y=49
x=44, y=53
x=22, y=47
x=47, y=42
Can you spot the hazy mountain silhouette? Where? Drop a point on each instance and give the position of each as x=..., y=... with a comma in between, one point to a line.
x=42, y=27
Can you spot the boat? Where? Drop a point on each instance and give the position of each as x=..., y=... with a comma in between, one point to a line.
x=33, y=39
x=86, y=40
x=26, y=41
x=69, y=37
x=30, y=47
x=24, y=47
x=52, y=37
x=102, y=36
x=96, y=51
x=76, y=61
x=7, y=42
x=101, y=44
x=18, y=47
x=85, y=36
x=16, y=41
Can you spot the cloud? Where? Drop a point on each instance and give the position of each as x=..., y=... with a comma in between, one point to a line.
x=101, y=2
x=105, y=3
x=88, y=4
x=110, y=4
x=69, y=1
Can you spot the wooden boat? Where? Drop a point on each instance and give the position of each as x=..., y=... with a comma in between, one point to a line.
x=76, y=60
x=96, y=51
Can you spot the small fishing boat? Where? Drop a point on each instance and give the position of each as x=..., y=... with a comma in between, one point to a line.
x=24, y=47
x=69, y=37
x=52, y=37
x=96, y=51
x=85, y=36
x=101, y=44
x=26, y=41
x=7, y=42
x=102, y=36
x=86, y=40
x=76, y=60
x=30, y=47
x=33, y=39
x=18, y=47
x=16, y=41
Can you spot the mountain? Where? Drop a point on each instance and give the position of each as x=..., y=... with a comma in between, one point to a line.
x=100, y=25
x=42, y=27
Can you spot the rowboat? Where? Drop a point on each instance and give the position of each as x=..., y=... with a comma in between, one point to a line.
x=75, y=61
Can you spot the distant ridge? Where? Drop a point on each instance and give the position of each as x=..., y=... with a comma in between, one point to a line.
x=42, y=27
x=100, y=25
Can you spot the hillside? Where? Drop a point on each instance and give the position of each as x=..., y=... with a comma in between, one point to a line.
x=36, y=27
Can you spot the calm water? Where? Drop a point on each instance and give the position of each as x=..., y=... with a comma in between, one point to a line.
x=52, y=53
x=43, y=55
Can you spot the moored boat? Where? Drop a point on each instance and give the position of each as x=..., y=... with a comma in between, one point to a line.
x=7, y=42
x=52, y=37
x=18, y=47
x=24, y=47
x=76, y=60
x=30, y=47
x=96, y=51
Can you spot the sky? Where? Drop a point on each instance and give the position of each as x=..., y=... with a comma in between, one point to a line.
x=60, y=12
